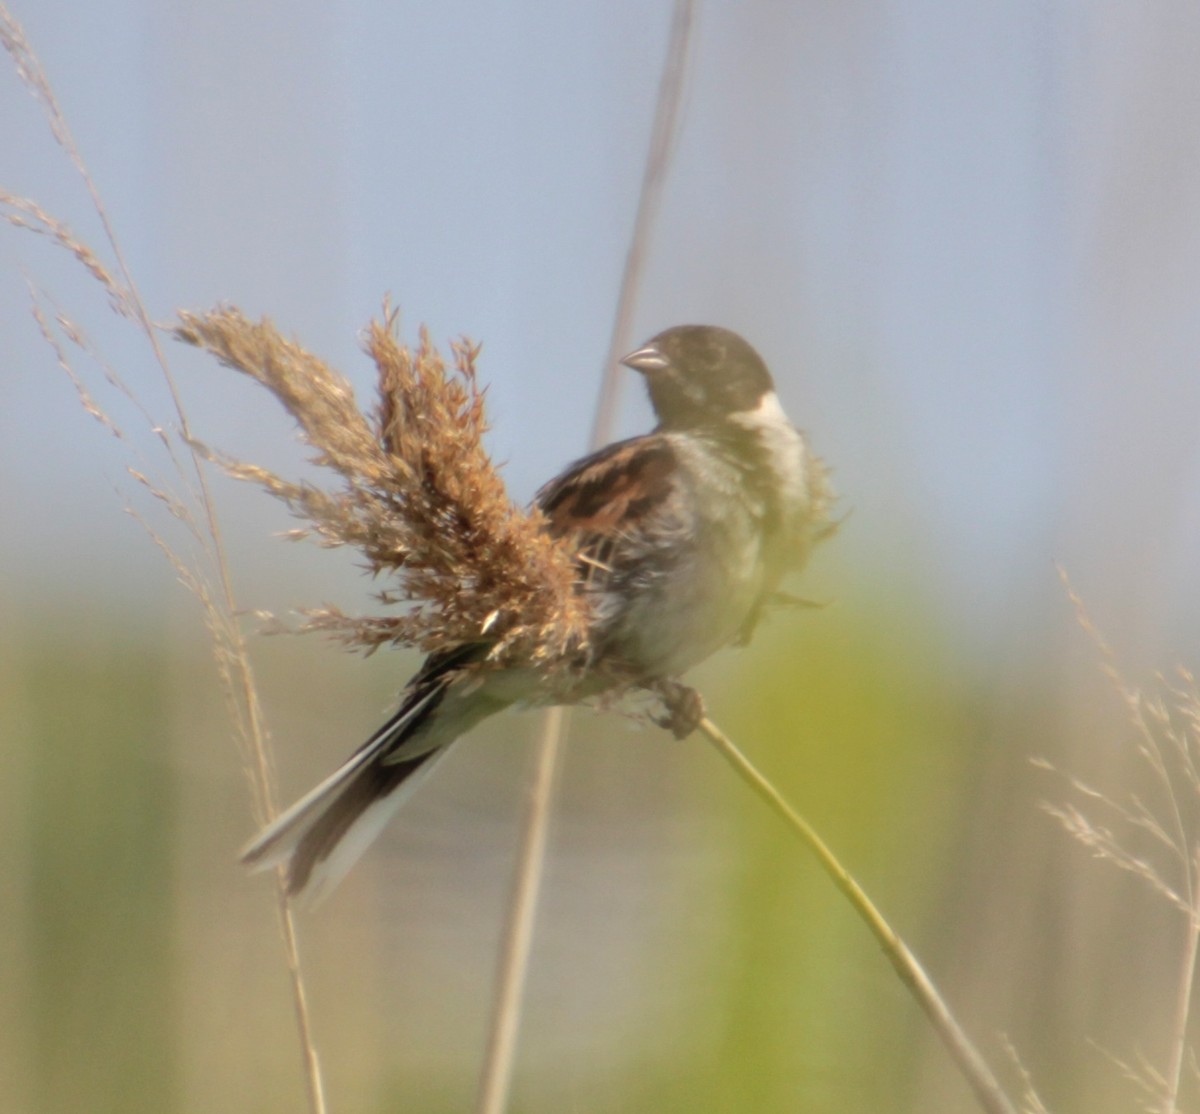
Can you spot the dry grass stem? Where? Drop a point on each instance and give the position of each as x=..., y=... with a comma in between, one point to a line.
x=513, y=960
x=21, y=212
x=663, y=134
x=974, y=1068
x=1157, y=839
x=500, y=1055
x=1031, y=1101
x=207, y=576
x=51, y=337
x=33, y=77
x=1148, y=1083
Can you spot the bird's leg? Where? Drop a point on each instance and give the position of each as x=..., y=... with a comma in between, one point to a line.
x=683, y=707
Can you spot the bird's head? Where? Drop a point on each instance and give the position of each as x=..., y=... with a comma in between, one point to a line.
x=699, y=375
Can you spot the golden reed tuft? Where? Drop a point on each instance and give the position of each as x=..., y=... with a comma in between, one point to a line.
x=419, y=496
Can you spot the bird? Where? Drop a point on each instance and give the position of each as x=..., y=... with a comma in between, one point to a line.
x=681, y=538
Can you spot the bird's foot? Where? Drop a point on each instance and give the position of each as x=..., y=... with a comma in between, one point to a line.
x=683, y=707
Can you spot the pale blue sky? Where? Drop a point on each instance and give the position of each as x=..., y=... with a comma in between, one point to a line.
x=964, y=236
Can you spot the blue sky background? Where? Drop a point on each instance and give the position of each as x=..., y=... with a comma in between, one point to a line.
x=964, y=237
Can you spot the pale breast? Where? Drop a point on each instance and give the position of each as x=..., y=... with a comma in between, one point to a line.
x=708, y=569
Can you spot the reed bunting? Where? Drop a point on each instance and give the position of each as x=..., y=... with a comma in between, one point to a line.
x=681, y=536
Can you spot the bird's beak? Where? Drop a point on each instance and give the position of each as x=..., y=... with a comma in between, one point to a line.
x=646, y=360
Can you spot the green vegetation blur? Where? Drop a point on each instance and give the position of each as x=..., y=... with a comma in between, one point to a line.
x=857, y=723
x=90, y=1017
x=138, y=984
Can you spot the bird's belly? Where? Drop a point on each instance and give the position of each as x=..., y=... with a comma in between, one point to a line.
x=692, y=611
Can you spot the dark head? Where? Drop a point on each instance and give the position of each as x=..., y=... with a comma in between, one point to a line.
x=700, y=374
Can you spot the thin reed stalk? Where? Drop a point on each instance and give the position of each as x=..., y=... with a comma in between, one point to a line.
x=496, y=1080
x=513, y=960
x=234, y=667
x=1183, y=1007
x=966, y=1056
x=658, y=161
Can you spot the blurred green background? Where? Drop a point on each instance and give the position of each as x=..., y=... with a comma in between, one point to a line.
x=689, y=955
x=965, y=239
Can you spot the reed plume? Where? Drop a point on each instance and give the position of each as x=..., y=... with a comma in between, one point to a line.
x=416, y=494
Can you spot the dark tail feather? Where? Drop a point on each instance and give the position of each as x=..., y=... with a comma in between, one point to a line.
x=325, y=832
x=343, y=831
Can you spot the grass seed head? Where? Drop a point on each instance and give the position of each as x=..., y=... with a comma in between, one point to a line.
x=414, y=491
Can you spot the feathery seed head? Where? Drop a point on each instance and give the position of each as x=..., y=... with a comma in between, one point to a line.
x=418, y=495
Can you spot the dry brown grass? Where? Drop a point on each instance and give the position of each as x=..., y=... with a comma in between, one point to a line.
x=1155, y=837
x=200, y=562
x=418, y=496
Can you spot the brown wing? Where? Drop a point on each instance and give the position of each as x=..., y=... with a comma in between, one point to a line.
x=603, y=499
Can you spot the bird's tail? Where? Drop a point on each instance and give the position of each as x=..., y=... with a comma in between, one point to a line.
x=324, y=833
